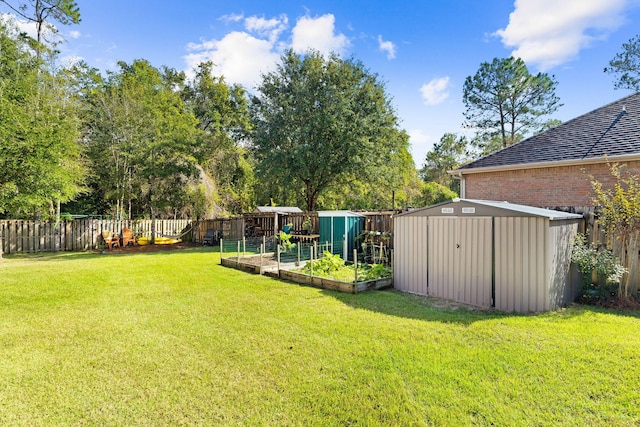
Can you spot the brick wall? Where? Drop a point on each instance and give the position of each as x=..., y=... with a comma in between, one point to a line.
x=544, y=187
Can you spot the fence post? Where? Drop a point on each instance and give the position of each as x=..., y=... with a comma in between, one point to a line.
x=355, y=267
x=1, y=240
x=278, y=254
x=221, y=250
x=392, y=262
x=297, y=264
x=238, y=252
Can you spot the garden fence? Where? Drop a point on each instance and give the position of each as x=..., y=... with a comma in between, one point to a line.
x=302, y=251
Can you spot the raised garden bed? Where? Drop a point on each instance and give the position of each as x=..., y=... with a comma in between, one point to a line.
x=337, y=285
x=267, y=265
x=256, y=264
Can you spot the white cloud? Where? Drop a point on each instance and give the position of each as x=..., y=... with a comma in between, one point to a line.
x=318, y=34
x=243, y=56
x=387, y=46
x=232, y=17
x=239, y=57
x=548, y=33
x=271, y=28
x=436, y=91
x=74, y=34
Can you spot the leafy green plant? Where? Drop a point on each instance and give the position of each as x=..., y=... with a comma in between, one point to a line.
x=326, y=265
x=607, y=266
x=307, y=225
x=284, y=240
x=376, y=271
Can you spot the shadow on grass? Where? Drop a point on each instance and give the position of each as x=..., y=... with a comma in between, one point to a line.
x=162, y=250
x=400, y=304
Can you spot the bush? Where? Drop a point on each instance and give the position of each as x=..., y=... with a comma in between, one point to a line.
x=607, y=266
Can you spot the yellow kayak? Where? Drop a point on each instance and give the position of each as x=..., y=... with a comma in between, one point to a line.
x=159, y=241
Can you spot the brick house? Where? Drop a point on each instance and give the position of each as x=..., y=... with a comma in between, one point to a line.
x=553, y=169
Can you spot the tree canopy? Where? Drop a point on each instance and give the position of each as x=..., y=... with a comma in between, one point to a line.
x=504, y=102
x=223, y=117
x=141, y=139
x=625, y=66
x=43, y=13
x=321, y=122
x=40, y=159
x=450, y=153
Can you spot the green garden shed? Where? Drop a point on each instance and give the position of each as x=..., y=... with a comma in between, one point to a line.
x=341, y=228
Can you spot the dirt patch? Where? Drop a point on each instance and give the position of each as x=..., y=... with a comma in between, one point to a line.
x=255, y=260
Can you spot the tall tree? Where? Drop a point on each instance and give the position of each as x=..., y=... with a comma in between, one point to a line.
x=504, y=102
x=319, y=120
x=142, y=139
x=625, y=66
x=223, y=116
x=44, y=12
x=395, y=184
x=39, y=152
x=451, y=152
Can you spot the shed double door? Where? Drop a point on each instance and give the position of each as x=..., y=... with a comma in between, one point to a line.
x=460, y=259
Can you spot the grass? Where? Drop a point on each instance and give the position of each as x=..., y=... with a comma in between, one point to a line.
x=172, y=338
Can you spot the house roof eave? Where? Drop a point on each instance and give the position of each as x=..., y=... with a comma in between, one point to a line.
x=554, y=164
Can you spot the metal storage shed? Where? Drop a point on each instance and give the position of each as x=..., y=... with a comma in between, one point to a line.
x=341, y=228
x=489, y=254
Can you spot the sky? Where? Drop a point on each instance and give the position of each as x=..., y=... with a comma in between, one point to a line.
x=422, y=49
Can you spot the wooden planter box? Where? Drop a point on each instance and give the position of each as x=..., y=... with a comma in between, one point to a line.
x=243, y=264
x=249, y=267
x=336, y=285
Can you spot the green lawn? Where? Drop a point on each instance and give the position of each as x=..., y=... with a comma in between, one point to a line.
x=172, y=338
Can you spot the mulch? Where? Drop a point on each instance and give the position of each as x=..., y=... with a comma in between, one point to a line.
x=629, y=303
x=150, y=248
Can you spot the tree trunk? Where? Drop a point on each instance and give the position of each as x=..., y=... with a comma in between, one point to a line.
x=312, y=198
x=619, y=249
x=632, y=264
x=153, y=213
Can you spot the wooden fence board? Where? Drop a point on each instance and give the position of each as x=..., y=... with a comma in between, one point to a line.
x=23, y=236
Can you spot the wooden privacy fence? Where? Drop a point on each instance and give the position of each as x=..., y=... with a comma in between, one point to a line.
x=379, y=226
x=27, y=236
x=23, y=236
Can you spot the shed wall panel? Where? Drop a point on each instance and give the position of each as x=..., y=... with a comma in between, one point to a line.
x=410, y=254
x=564, y=286
x=460, y=259
x=520, y=264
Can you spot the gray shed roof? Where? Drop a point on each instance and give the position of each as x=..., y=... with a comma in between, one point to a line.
x=278, y=209
x=611, y=130
x=342, y=213
x=470, y=207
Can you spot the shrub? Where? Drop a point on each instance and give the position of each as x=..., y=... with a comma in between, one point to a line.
x=607, y=266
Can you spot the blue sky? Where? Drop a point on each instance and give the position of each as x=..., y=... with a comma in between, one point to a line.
x=423, y=50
